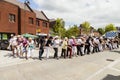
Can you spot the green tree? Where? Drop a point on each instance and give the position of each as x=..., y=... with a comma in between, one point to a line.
x=59, y=27
x=73, y=31
x=62, y=32
x=101, y=30
x=85, y=27
x=110, y=27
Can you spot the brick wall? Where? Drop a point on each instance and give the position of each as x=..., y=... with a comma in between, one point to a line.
x=21, y=24
x=5, y=24
x=26, y=27
x=43, y=29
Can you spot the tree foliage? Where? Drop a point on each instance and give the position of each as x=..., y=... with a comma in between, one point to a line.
x=110, y=27
x=73, y=31
x=101, y=30
x=59, y=27
x=85, y=27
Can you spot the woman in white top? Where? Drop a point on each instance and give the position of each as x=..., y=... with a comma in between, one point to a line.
x=30, y=47
x=64, y=47
x=14, y=43
x=82, y=45
x=56, y=43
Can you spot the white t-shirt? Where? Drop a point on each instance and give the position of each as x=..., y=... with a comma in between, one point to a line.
x=96, y=41
x=56, y=43
x=13, y=41
x=79, y=41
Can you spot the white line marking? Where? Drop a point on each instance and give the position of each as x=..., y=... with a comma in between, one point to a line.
x=115, y=69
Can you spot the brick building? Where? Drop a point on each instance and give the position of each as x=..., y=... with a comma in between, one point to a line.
x=19, y=18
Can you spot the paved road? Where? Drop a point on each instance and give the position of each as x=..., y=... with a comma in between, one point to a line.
x=99, y=66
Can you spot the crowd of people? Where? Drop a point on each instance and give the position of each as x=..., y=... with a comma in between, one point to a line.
x=71, y=47
x=21, y=45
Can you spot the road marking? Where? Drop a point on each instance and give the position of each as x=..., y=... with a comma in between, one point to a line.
x=115, y=69
x=106, y=67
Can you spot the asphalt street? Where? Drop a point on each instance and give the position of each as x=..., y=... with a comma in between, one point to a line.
x=98, y=66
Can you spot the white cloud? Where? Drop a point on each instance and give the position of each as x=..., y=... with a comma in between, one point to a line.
x=97, y=12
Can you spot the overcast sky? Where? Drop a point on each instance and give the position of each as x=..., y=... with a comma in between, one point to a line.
x=98, y=12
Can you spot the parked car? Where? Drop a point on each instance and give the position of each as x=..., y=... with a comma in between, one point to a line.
x=4, y=44
x=4, y=40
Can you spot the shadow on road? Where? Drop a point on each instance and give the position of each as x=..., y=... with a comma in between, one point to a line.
x=8, y=55
x=111, y=77
x=116, y=51
x=37, y=58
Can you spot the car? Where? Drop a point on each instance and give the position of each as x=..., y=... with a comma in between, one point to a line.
x=4, y=44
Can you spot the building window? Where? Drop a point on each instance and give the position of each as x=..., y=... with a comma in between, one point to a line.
x=44, y=24
x=4, y=37
x=31, y=20
x=37, y=22
x=11, y=17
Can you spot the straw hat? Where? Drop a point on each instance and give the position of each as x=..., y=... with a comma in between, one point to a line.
x=66, y=38
x=73, y=36
x=18, y=35
x=56, y=36
x=30, y=38
x=11, y=35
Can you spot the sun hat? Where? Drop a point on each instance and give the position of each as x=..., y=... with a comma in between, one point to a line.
x=11, y=35
x=56, y=37
x=73, y=36
x=65, y=38
x=30, y=38
x=18, y=35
